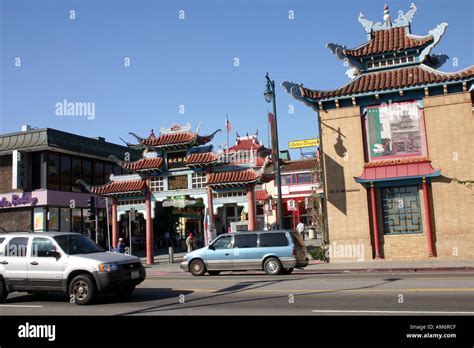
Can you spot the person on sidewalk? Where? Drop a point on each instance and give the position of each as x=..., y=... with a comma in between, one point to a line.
x=121, y=246
x=300, y=229
x=190, y=242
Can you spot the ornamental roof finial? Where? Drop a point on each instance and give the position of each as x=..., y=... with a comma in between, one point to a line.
x=386, y=16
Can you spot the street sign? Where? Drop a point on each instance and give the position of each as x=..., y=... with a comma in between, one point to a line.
x=298, y=144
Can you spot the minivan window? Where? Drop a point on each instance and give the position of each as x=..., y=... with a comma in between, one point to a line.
x=41, y=246
x=245, y=240
x=223, y=243
x=77, y=244
x=17, y=247
x=273, y=239
x=1, y=249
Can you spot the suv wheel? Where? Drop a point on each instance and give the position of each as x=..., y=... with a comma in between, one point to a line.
x=197, y=268
x=3, y=291
x=83, y=289
x=272, y=266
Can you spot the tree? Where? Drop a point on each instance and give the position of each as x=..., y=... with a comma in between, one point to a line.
x=315, y=206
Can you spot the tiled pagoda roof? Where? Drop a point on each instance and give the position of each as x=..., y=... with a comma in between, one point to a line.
x=177, y=139
x=299, y=165
x=389, y=40
x=119, y=187
x=385, y=80
x=144, y=164
x=200, y=159
x=232, y=177
x=261, y=195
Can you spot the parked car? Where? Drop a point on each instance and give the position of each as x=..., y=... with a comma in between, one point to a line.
x=274, y=252
x=64, y=262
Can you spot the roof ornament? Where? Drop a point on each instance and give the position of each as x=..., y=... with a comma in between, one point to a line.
x=152, y=134
x=199, y=126
x=175, y=128
x=403, y=20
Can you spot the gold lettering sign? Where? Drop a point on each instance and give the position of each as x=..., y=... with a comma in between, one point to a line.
x=297, y=144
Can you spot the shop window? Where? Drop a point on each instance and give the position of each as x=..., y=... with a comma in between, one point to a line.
x=199, y=180
x=53, y=219
x=76, y=168
x=286, y=179
x=401, y=210
x=53, y=171
x=36, y=171
x=98, y=173
x=156, y=184
x=38, y=219
x=76, y=220
x=65, y=173
x=65, y=220
x=178, y=182
x=259, y=209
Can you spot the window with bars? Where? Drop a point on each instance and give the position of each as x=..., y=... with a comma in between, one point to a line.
x=156, y=184
x=199, y=180
x=401, y=210
x=132, y=202
x=226, y=194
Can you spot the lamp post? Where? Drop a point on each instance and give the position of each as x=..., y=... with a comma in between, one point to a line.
x=269, y=97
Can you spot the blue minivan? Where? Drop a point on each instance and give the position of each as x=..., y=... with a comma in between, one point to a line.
x=275, y=252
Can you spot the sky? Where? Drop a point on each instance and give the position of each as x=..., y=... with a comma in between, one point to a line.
x=147, y=64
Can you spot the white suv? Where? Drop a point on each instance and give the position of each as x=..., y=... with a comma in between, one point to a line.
x=67, y=262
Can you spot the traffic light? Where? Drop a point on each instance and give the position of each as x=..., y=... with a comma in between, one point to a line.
x=91, y=207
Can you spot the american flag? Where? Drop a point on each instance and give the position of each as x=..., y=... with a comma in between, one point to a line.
x=228, y=126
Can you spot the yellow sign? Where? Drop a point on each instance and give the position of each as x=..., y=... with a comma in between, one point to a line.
x=297, y=144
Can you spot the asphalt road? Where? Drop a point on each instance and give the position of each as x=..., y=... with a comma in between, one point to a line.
x=304, y=293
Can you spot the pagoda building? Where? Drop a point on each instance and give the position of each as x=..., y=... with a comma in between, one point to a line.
x=179, y=169
x=396, y=147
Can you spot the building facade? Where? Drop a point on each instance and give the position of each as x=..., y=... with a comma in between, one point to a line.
x=38, y=173
x=396, y=146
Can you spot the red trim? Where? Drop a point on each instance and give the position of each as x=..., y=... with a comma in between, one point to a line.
x=149, y=226
x=375, y=224
x=426, y=203
x=397, y=171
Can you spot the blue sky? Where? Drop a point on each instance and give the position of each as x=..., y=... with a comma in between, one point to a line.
x=189, y=62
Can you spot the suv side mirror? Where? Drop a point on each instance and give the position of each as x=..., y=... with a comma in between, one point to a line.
x=53, y=253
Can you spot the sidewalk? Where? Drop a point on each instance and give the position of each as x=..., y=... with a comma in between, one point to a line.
x=163, y=267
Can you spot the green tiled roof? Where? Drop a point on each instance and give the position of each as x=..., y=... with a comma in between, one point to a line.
x=48, y=138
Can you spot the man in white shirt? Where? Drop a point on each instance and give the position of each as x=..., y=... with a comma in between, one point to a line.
x=300, y=229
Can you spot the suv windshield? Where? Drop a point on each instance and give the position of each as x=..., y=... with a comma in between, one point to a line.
x=77, y=244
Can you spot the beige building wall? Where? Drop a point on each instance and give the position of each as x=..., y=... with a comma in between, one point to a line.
x=450, y=130
x=347, y=205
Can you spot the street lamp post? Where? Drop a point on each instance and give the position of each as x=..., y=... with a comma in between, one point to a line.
x=269, y=97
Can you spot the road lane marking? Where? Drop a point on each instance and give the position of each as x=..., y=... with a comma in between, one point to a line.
x=387, y=312
x=332, y=290
x=21, y=306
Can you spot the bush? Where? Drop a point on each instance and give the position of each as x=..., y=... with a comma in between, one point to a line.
x=319, y=253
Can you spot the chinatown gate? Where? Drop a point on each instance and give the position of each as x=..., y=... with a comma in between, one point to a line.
x=180, y=170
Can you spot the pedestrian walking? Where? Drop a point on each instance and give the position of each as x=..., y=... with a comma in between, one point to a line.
x=300, y=229
x=190, y=242
x=121, y=246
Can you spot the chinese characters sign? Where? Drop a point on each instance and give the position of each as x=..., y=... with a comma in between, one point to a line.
x=395, y=130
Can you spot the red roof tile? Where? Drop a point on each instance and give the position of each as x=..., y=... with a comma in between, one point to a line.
x=397, y=171
x=170, y=139
x=261, y=195
x=396, y=161
x=144, y=164
x=116, y=187
x=201, y=158
x=243, y=176
x=390, y=79
x=388, y=40
x=245, y=144
x=299, y=165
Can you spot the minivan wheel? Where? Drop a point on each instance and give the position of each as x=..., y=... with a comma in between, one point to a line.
x=272, y=266
x=3, y=291
x=83, y=289
x=197, y=268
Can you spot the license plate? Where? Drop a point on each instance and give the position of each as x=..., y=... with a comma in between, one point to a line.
x=135, y=274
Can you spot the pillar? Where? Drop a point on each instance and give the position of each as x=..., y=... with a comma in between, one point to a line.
x=375, y=224
x=429, y=232
x=210, y=203
x=149, y=225
x=115, y=227
x=251, y=206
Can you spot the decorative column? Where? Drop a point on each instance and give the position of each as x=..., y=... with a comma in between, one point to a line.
x=375, y=224
x=429, y=232
x=115, y=230
x=210, y=203
x=149, y=225
x=251, y=207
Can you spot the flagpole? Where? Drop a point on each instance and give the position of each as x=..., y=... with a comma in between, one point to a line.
x=226, y=128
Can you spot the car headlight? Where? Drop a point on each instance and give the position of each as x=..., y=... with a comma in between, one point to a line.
x=107, y=267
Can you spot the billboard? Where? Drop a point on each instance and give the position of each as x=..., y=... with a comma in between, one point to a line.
x=395, y=130
x=298, y=144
